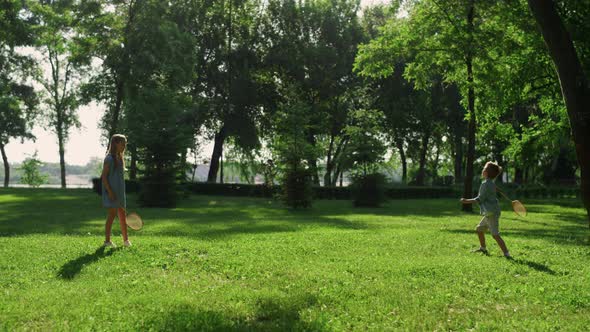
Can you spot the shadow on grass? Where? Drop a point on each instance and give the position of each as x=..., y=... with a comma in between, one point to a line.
x=568, y=235
x=72, y=268
x=270, y=315
x=533, y=265
x=75, y=212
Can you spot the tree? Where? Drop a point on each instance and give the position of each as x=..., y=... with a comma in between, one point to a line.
x=439, y=39
x=58, y=40
x=31, y=174
x=312, y=45
x=574, y=83
x=227, y=82
x=158, y=103
x=18, y=100
x=292, y=149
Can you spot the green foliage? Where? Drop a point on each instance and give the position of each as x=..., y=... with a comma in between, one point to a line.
x=18, y=100
x=292, y=150
x=158, y=110
x=296, y=186
x=31, y=174
x=366, y=148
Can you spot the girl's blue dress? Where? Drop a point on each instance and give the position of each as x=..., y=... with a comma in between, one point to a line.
x=116, y=178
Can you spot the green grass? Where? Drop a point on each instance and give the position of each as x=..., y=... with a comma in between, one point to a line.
x=223, y=263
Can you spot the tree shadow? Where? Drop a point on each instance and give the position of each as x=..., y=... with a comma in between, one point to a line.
x=72, y=268
x=270, y=315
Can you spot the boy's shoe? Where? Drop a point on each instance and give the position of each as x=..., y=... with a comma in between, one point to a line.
x=507, y=255
x=127, y=243
x=109, y=244
x=482, y=250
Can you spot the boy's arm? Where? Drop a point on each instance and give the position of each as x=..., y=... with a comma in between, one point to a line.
x=475, y=199
x=468, y=200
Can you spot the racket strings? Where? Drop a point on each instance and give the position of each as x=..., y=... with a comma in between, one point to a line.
x=134, y=221
x=519, y=208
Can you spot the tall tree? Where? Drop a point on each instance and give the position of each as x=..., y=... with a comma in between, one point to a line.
x=438, y=38
x=17, y=99
x=157, y=98
x=575, y=85
x=58, y=40
x=108, y=24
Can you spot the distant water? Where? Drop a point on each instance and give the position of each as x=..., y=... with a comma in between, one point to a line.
x=68, y=185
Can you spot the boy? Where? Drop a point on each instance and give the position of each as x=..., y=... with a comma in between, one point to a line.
x=489, y=208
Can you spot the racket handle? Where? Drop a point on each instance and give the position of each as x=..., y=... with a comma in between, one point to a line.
x=504, y=195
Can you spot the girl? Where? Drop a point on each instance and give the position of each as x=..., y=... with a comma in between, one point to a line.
x=113, y=188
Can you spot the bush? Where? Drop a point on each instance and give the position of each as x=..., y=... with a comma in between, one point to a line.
x=158, y=191
x=233, y=189
x=369, y=190
x=131, y=186
x=297, y=191
x=260, y=190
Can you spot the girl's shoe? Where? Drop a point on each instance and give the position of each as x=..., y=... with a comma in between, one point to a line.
x=109, y=244
x=127, y=243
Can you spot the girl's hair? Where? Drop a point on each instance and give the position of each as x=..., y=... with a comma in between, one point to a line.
x=493, y=169
x=117, y=138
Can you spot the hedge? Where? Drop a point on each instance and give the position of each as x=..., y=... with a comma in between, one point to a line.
x=396, y=192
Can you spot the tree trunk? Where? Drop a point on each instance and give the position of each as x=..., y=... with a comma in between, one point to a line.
x=221, y=164
x=329, y=164
x=216, y=155
x=400, y=146
x=133, y=166
x=518, y=176
x=313, y=164
x=6, y=166
x=117, y=109
x=458, y=143
x=420, y=178
x=468, y=185
x=62, y=161
x=575, y=87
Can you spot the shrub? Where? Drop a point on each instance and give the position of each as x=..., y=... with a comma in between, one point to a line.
x=297, y=191
x=369, y=190
x=31, y=174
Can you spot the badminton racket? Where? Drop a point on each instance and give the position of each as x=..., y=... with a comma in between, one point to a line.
x=517, y=206
x=133, y=220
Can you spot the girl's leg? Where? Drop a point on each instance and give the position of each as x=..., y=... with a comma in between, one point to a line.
x=123, y=223
x=109, y=224
x=501, y=243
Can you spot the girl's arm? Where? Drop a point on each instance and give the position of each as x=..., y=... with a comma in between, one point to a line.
x=104, y=177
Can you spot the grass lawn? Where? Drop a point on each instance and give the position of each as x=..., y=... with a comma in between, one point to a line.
x=225, y=263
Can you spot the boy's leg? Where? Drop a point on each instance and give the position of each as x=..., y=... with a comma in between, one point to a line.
x=123, y=223
x=495, y=229
x=501, y=243
x=481, y=231
x=482, y=239
x=109, y=224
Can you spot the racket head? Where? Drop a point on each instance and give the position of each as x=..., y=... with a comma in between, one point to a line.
x=519, y=208
x=134, y=221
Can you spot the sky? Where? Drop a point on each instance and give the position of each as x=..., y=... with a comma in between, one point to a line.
x=84, y=143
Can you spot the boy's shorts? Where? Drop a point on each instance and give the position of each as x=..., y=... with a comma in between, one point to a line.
x=491, y=222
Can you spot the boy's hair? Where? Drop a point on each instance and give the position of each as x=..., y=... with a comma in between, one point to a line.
x=493, y=169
